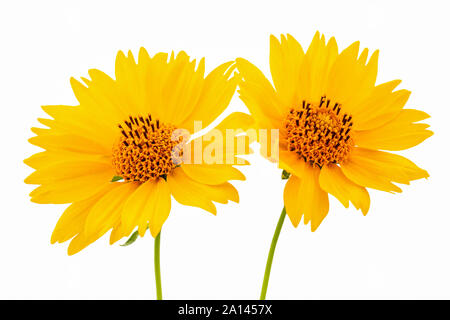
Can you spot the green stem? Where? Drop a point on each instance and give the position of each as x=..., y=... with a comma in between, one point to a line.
x=158, y=268
x=271, y=252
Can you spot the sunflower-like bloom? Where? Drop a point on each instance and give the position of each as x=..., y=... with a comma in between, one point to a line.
x=114, y=157
x=333, y=120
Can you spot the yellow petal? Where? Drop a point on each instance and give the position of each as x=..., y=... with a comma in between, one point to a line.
x=285, y=61
x=69, y=170
x=148, y=206
x=259, y=96
x=381, y=106
x=157, y=70
x=134, y=207
x=236, y=120
x=217, y=90
x=73, y=219
x=304, y=197
x=48, y=158
x=188, y=192
x=102, y=100
x=319, y=59
x=71, y=181
x=128, y=85
x=291, y=162
x=68, y=142
x=181, y=88
x=344, y=74
x=159, y=205
x=351, y=81
x=116, y=234
x=106, y=213
x=212, y=173
x=398, y=134
x=292, y=200
x=333, y=181
x=71, y=190
x=80, y=121
x=80, y=242
x=221, y=192
x=364, y=83
x=377, y=169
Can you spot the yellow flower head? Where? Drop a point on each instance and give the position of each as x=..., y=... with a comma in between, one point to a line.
x=332, y=122
x=118, y=156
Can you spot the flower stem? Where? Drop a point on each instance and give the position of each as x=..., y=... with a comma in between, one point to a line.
x=158, y=268
x=271, y=252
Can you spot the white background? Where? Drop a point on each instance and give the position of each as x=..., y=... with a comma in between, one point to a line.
x=399, y=250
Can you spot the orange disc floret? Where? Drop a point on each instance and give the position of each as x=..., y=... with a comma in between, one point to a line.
x=147, y=149
x=319, y=133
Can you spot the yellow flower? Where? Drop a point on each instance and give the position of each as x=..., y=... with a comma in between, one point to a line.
x=117, y=158
x=333, y=120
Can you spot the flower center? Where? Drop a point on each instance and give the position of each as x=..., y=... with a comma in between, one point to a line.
x=320, y=134
x=147, y=149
